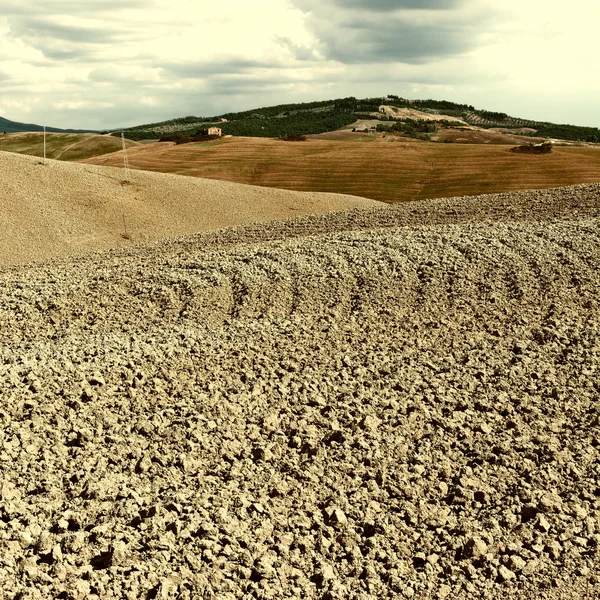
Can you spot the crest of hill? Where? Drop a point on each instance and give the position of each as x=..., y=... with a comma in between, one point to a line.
x=8, y=126
x=63, y=146
x=311, y=118
x=67, y=209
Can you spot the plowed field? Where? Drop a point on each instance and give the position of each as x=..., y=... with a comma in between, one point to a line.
x=391, y=172
x=392, y=403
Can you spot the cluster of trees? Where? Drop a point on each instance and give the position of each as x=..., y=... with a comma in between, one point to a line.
x=280, y=110
x=298, y=124
x=186, y=139
x=491, y=115
x=567, y=132
x=544, y=148
x=327, y=115
x=302, y=123
x=451, y=108
x=288, y=119
x=414, y=128
x=411, y=126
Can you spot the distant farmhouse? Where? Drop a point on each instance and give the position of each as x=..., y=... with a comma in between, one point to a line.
x=213, y=131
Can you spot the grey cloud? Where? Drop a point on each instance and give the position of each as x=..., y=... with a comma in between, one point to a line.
x=194, y=70
x=68, y=7
x=393, y=42
x=36, y=27
x=107, y=75
x=386, y=5
x=302, y=53
x=389, y=31
x=199, y=69
x=61, y=55
x=246, y=86
x=54, y=51
x=57, y=40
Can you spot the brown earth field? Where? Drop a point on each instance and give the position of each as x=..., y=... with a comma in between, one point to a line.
x=458, y=135
x=66, y=209
x=477, y=135
x=397, y=402
x=417, y=115
x=62, y=146
x=389, y=172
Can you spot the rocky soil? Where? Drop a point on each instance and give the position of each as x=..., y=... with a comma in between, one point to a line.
x=394, y=403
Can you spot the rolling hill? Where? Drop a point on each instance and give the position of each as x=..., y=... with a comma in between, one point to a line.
x=389, y=166
x=62, y=146
x=328, y=115
x=390, y=403
x=365, y=401
x=65, y=209
x=389, y=169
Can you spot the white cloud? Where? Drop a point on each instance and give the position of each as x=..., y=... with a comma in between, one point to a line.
x=104, y=63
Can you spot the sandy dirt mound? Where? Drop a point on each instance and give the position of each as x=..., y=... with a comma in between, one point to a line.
x=65, y=209
x=398, y=403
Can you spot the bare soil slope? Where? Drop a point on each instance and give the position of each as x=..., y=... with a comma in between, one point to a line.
x=392, y=403
x=63, y=146
x=418, y=115
x=65, y=209
x=391, y=172
x=477, y=135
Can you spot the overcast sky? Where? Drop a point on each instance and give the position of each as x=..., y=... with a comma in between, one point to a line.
x=114, y=63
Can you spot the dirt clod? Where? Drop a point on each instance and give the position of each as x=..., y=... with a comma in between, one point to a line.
x=378, y=404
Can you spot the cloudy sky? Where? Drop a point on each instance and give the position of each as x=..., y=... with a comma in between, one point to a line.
x=114, y=63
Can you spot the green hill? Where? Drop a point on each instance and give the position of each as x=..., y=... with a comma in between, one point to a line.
x=328, y=115
x=7, y=126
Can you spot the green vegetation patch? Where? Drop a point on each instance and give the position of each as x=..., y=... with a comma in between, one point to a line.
x=303, y=123
x=568, y=132
x=329, y=115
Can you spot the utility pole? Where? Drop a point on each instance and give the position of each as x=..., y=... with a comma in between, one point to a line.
x=125, y=161
x=44, y=144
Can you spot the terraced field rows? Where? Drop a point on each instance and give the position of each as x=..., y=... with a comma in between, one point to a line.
x=390, y=172
x=475, y=119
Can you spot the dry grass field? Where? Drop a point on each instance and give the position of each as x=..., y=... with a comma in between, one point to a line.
x=390, y=169
x=477, y=135
x=61, y=146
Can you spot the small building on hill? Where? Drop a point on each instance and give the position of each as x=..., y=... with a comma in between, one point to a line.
x=213, y=131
